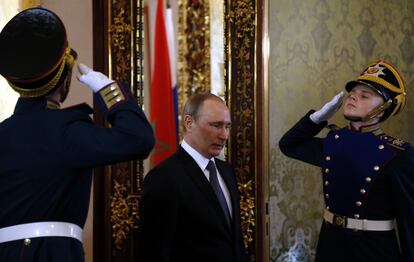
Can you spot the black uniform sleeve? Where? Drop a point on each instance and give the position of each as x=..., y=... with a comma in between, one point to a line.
x=403, y=197
x=300, y=141
x=130, y=136
x=158, y=216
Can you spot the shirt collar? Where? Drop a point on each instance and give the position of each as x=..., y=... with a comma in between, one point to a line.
x=201, y=161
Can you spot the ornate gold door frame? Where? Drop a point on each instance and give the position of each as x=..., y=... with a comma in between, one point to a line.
x=118, y=45
x=246, y=95
x=118, y=51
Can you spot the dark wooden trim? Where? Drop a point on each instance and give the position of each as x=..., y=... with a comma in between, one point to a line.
x=101, y=244
x=259, y=100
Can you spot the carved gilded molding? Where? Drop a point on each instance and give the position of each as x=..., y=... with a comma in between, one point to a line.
x=241, y=79
x=119, y=30
x=124, y=213
x=193, y=50
x=124, y=18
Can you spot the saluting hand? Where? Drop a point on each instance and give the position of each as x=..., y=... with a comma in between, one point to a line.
x=93, y=79
x=328, y=110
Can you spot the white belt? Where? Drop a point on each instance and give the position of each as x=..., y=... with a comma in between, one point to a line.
x=359, y=224
x=40, y=229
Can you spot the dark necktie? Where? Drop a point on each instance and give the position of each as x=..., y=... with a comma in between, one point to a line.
x=211, y=167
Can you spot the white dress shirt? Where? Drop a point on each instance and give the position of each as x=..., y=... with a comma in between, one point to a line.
x=202, y=162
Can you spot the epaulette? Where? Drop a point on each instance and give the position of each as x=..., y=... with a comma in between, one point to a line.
x=395, y=142
x=83, y=107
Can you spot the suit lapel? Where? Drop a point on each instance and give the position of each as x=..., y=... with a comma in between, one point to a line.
x=199, y=179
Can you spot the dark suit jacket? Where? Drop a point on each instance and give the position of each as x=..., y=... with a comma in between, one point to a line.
x=46, y=161
x=180, y=216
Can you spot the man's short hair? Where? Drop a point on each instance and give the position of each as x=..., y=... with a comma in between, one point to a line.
x=194, y=104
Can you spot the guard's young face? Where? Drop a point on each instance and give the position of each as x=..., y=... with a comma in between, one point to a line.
x=209, y=132
x=361, y=100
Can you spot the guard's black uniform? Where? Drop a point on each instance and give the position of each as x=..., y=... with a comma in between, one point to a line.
x=46, y=153
x=367, y=175
x=46, y=161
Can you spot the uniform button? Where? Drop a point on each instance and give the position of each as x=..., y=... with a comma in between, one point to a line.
x=385, y=137
x=115, y=93
x=381, y=146
x=368, y=179
x=118, y=99
x=358, y=203
x=327, y=170
x=27, y=241
x=327, y=207
x=336, y=136
x=326, y=183
x=327, y=195
x=376, y=168
x=328, y=158
x=362, y=191
x=356, y=216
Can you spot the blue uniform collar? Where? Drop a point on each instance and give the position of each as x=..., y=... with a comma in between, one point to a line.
x=374, y=128
x=30, y=104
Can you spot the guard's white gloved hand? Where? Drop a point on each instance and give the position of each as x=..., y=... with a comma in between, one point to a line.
x=328, y=110
x=94, y=80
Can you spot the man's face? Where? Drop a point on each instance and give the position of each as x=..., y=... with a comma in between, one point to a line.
x=209, y=133
x=361, y=100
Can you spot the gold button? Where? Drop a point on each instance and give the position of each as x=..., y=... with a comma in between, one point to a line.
x=327, y=170
x=327, y=195
x=336, y=136
x=368, y=179
x=27, y=241
x=362, y=191
x=328, y=158
x=358, y=203
x=376, y=168
x=381, y=146
x=327, y=207
x=356, y=216
x=326, y=183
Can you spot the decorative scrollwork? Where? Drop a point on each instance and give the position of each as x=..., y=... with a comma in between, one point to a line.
x=241, y=17
x=124, y=213
x=247, y=215
x=193, y=50
x=119, y=30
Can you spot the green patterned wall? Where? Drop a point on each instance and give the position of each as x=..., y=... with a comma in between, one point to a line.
x=316, y=46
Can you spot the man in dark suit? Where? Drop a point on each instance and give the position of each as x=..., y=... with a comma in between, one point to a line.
x=190, y=204
x=47, y=153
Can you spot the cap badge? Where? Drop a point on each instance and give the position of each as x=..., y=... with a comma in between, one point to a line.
x=375, y=70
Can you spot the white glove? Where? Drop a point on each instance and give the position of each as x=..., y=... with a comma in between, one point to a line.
x=94, y=80
x=328, y=110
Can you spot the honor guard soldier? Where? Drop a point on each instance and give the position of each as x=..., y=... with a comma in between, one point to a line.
x=368, y=176
x=47, y=154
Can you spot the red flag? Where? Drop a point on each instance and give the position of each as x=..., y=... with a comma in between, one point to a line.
x=162, y=105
